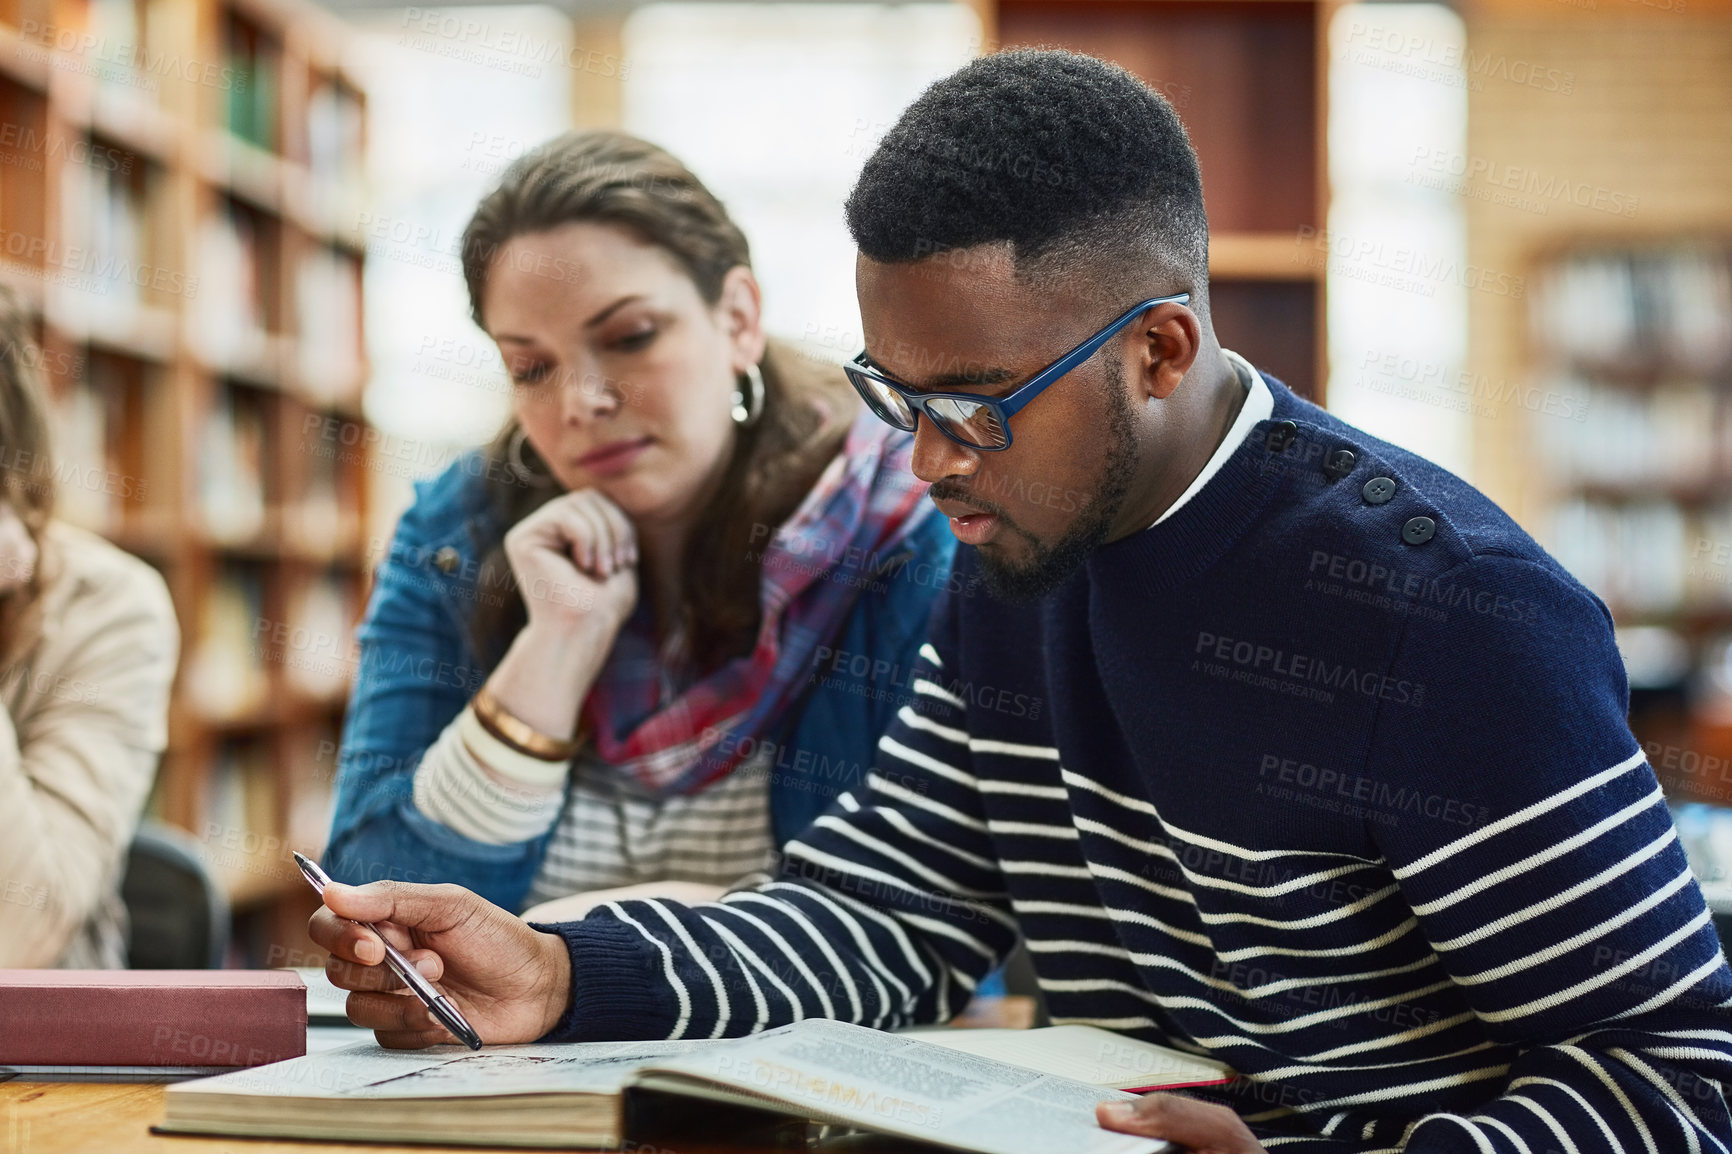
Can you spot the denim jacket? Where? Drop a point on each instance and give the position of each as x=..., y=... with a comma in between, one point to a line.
x=418, y=670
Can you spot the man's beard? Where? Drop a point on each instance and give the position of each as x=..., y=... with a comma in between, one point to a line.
x=1048, y=566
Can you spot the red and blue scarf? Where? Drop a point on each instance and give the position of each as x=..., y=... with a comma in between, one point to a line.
x=842, y=539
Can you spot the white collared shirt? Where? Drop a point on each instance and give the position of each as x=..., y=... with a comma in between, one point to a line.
x=1259, y=404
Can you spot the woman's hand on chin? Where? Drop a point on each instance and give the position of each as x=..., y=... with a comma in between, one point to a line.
x=574, y=906
x=575, y=560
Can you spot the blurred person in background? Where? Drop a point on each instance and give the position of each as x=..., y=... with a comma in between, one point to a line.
x=653, y=629
x=88, y=645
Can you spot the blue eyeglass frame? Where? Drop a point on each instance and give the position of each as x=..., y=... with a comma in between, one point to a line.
x=1001, y=408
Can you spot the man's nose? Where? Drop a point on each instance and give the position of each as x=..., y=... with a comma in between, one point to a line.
x=936, y=456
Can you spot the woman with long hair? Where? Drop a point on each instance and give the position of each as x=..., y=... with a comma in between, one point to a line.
x=653, y=629
x=88, y=644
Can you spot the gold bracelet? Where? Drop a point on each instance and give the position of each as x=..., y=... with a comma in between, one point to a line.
x=517, y=733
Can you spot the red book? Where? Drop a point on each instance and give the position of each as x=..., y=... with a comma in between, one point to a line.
x=151, y=1017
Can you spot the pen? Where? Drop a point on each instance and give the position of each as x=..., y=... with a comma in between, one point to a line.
x=437, y=1003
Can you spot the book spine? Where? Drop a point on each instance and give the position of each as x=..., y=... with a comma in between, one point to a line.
x=167, y=1026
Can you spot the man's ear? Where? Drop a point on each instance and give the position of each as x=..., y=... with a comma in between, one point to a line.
x=1171, y=340
x=740, y=308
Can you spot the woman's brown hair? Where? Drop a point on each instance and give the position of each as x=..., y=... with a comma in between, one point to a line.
x=613, y=178
x=27, y=474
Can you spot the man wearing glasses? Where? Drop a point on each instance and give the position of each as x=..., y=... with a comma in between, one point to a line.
x=1329, y=775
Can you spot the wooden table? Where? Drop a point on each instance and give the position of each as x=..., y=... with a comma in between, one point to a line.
x=112, y=1118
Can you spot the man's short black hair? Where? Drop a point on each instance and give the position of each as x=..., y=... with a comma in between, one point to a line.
x=1074, y=162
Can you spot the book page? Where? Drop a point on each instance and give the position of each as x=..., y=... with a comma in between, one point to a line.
x=833, y=1071
x=1084, y=1054
x=325, y=1001
x=367, y=1070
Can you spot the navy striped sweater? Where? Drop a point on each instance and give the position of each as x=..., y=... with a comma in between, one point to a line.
x=1285, y=780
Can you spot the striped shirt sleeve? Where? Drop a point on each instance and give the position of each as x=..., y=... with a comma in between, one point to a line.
x=475, y=784
x=886, y=912
x=1567, y=918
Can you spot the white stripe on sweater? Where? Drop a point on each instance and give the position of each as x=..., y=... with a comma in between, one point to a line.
x=1515, y=869
x=1558, y=949
x=681, y=994
x=1547, y=904
x=1563, y=797
x=1137, y=805
x=1635, y=962
x=1575, y=1095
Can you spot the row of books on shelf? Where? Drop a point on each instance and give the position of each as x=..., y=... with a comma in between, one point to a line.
x=233, y=318
x=236, y=494
x=244, y=655
x=1677, y=435
x=1661, y=308
x=121, y=49
x=1650, y=557
x=85, y=411
x=330, y=138
x=103, y=217
x=254, y=96
x=236, y=309
x=336, y=145
x=263, y=796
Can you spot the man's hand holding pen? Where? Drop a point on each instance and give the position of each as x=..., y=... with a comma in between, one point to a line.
x=510, y=981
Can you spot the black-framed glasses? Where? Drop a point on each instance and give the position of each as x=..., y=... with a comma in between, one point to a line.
x=977, y=422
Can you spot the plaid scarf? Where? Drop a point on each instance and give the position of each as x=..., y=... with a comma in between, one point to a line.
x=842, y=538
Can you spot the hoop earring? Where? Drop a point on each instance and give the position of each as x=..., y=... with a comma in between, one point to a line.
x=514, y=460
x=749, y=397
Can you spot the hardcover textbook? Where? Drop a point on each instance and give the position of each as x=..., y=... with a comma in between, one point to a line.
x=598, y=1094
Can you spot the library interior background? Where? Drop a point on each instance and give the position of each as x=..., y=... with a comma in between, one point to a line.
x=1498, y=233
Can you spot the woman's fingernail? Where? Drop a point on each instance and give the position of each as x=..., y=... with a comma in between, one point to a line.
x=370, y=952
x=427, y=968
x=1119, y=1111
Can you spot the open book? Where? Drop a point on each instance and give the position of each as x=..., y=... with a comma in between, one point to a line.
x=603, y=1093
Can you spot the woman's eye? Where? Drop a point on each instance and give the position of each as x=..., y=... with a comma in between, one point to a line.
x=632, y=342
x=529, y=374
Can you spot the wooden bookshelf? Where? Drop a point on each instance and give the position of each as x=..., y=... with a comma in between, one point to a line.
x=1248, y=78
x=1637, y=331
x=178, y=186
